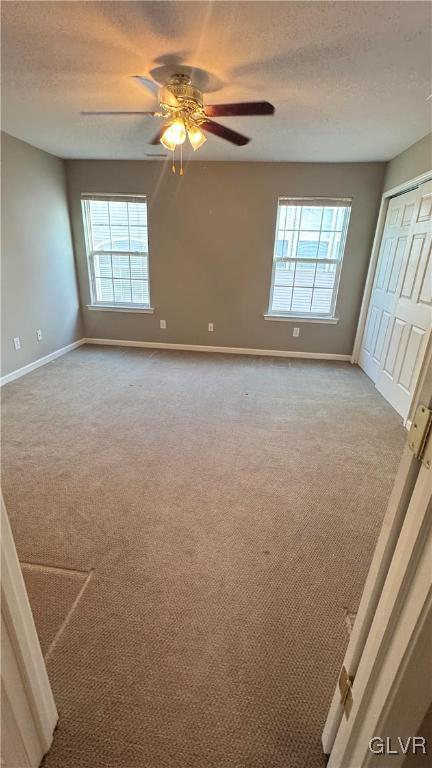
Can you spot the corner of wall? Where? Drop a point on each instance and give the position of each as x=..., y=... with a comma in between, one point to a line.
x=412, y=162
x=38, y=265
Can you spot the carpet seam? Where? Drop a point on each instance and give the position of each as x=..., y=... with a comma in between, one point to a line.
x=56, y=568
x=68, y=617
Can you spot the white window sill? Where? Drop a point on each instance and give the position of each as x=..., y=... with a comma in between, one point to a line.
x=300, y=318
x=119, y=308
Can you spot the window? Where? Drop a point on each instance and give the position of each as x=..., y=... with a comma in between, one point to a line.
x=309, y=248
x=117, y=250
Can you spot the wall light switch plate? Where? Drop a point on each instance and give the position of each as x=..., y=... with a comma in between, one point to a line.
x=211, y=327
x=17, y=343
x=39, y=334
x=162, y=323
x=296, y=331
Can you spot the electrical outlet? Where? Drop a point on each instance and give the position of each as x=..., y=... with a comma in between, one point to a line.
x=39, y=334
x=211, y=327
x=296, y=331
x=17, y=343
x=162, y=323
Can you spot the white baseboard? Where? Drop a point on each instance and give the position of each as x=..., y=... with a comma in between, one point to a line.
x=224, y=350
x=38, y=363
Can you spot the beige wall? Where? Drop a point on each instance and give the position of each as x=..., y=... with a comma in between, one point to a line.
x=39, y=287
x=414, y=161
x=211, y=243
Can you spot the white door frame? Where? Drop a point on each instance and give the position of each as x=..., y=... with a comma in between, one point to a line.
x=405, y=482
x=28, y=712
x=400, y=189
x=393, y=521
x=397, y=647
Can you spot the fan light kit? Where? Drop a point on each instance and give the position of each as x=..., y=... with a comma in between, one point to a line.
x=186, y=116
x=182, y=105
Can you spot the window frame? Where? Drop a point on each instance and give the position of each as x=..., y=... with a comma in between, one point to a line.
x=344, y=202
x=115, y=306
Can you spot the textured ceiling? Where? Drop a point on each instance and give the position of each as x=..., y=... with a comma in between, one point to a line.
x=348, y=79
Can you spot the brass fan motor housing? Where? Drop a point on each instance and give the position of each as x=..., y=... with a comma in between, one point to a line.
x=189, y=98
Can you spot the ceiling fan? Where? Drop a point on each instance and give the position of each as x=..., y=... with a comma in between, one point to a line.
x=184, y=113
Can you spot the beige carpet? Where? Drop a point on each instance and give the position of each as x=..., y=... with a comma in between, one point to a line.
x=229, y=507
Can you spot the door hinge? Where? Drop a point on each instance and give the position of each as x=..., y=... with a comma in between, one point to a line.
x=345, y=688
x=420, y=435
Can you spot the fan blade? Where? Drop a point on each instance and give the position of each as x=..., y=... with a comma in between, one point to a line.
x=241, y=108
x=118, y=113
x=147, y=83
x=156, y=139
x=224, y=133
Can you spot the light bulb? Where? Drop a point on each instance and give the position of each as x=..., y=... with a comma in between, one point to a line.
x=174, y=134
x=166, y=143
x=196, y=137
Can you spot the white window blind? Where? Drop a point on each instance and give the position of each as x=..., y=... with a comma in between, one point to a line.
x=117, y=249
x=309, y=247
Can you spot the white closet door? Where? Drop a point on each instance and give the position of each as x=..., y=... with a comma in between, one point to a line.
x=400, y=312
x=411, y=323
x=400, y=214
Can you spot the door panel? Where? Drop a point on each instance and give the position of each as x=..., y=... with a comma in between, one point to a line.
x=391, y=260
x=408, y=214
x=412, y=311
x=374, y=315
x=398, y=386
x=394, y=349
x=412, y=353
x=397, y=263
x=425, y=212
x=385, y=263
x=412, y=265
x=381, y=336
x=399, y=319
x=426, y=286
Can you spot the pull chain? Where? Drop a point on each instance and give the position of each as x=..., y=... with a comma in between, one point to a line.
x=181, y=159
x=173, y=163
